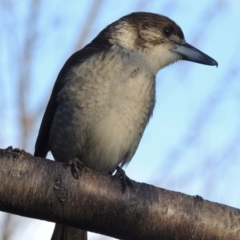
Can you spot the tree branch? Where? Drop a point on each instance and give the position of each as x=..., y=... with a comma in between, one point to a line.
x=44, y=189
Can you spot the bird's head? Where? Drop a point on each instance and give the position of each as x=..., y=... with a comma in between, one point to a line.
x=159, y=38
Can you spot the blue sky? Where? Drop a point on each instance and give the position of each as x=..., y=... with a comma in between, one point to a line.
x=191, y=143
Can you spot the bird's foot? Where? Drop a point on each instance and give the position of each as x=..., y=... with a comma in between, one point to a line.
x=75, y=165
x=125, y=180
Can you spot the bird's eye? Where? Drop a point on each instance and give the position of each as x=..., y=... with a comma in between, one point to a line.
x=167, y=31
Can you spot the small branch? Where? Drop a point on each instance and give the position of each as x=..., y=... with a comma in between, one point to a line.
x=44, y=189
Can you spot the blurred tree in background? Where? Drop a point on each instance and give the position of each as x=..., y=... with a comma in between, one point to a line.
x=191, y=143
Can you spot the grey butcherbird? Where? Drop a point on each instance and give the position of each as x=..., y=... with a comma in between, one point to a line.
x=105, y=94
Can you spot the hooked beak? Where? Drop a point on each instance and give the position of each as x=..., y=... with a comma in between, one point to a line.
x=192, y=54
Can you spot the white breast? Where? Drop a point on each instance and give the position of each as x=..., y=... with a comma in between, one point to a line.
x=109, y=104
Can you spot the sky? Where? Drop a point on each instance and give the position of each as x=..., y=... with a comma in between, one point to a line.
x=191, y=142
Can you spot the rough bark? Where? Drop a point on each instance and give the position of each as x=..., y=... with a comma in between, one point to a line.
x=44, y=189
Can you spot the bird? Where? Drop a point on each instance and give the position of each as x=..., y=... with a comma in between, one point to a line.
x=104, y=95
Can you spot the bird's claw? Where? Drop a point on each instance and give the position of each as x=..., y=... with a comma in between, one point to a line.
x=75, y=165
x=125, y=180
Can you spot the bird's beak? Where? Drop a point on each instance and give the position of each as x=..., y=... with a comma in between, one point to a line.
x=190, y=53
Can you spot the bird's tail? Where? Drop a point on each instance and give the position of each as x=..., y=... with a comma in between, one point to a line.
x=63, y=232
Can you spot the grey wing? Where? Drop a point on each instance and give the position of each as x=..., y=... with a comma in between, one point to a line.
x=42, y=143
x=42, y=147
